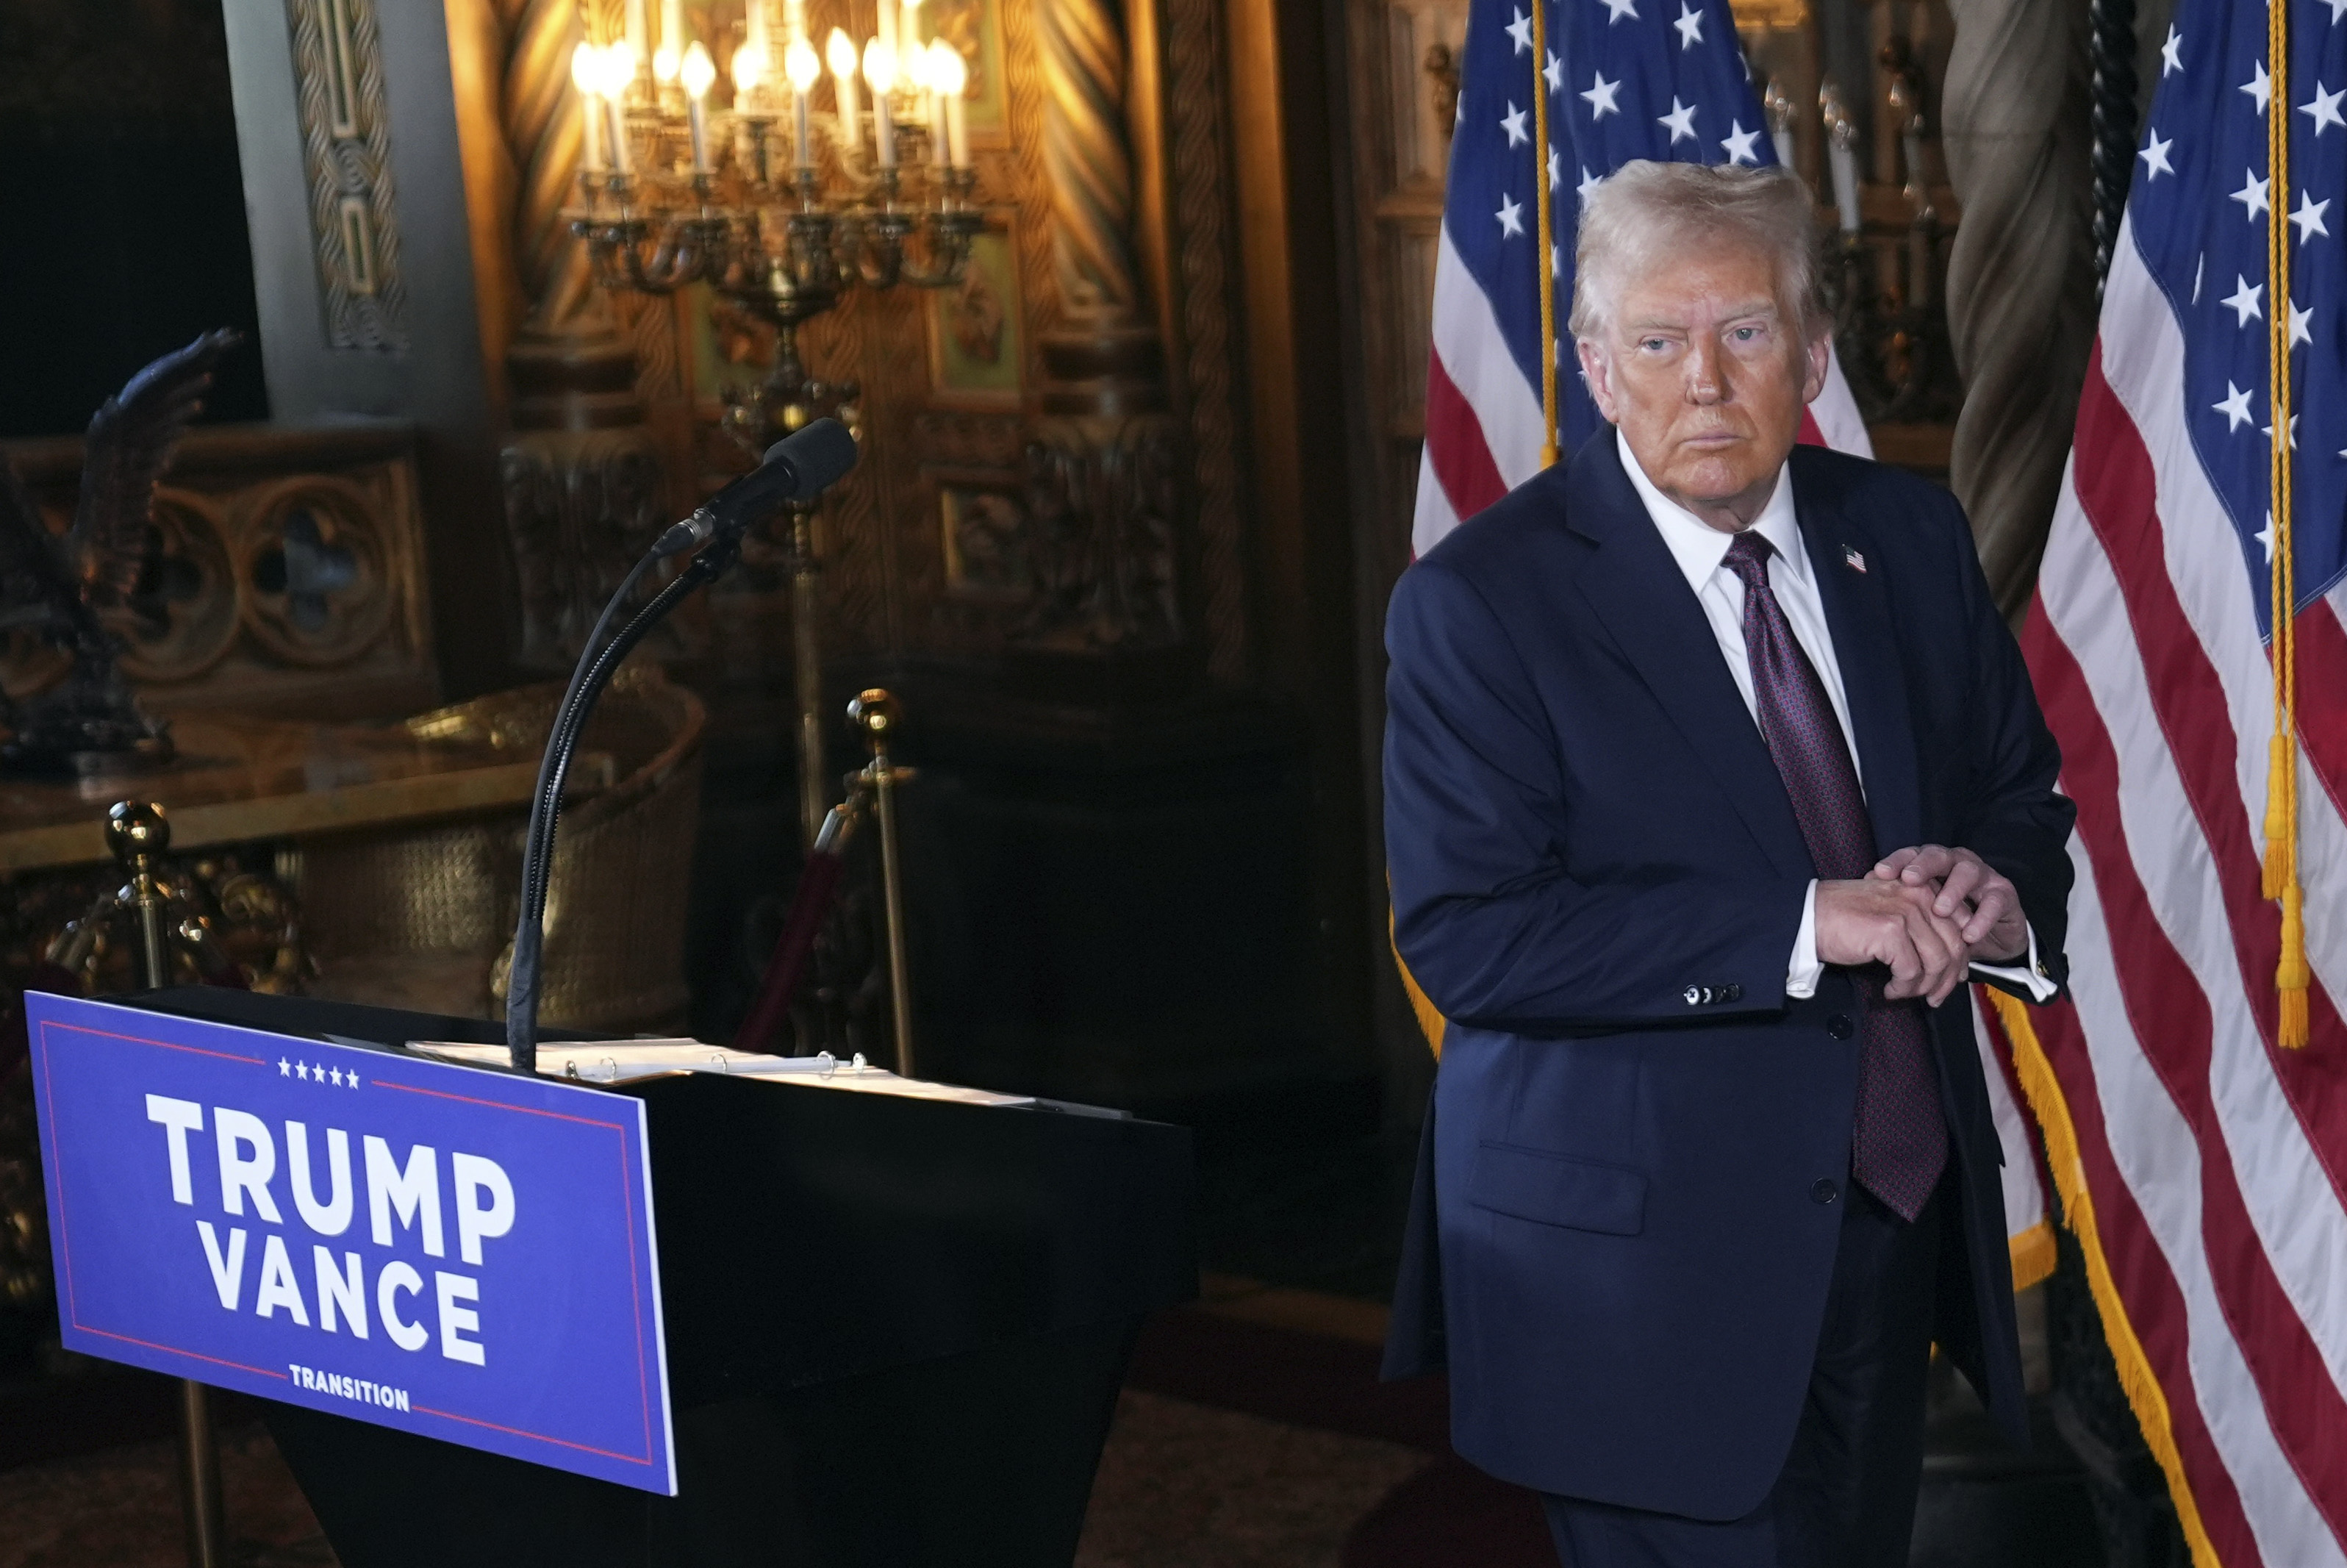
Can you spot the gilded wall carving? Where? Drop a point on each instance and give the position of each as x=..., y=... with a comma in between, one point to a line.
x=346, y=152
x=285, y=571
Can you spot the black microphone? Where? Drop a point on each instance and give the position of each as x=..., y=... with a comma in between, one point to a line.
x=798, y=468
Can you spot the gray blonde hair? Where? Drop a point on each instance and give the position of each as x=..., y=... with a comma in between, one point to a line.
x=1647, y=211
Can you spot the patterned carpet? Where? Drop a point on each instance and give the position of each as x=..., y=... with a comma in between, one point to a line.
x=1239, y=1443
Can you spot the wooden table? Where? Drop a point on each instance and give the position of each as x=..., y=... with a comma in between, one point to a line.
x=238, y=778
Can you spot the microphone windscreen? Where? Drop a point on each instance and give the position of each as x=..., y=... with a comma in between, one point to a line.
x=820, y=454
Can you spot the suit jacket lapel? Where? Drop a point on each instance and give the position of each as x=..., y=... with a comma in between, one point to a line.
x=1635, y=588
x=1866, y=648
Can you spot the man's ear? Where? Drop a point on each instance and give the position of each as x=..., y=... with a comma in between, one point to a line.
x=1817, y=352
x=1593, y=372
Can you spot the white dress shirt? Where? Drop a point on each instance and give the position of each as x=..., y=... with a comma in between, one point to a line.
x=1700, y=550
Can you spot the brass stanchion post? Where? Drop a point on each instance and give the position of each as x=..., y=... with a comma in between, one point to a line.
x=138, y=835
x=875, y=713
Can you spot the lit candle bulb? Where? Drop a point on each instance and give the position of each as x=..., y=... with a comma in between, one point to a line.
x=933, y=103
x=804, y=69
x=909, y=29
x=585, y=74
x=839, y=54
x=949, y=77
x=618, y=70
x=884, y=20
x=749, y=70
x=667, y=60
x=753, y=42
x=697, y=71
x=880, y=75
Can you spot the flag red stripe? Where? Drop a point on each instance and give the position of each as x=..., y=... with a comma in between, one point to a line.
x=2323, y=703
x=2155, y=1304
x=2171, y=1022
x=1455, y=446
x=2112, y=473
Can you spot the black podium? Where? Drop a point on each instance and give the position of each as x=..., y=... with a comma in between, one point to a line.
x=895, y=1329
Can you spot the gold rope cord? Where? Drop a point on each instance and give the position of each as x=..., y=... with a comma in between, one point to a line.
x=2280, y=879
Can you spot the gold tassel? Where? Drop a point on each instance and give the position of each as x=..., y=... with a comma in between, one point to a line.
x=2291, y=977
x=2279, y=763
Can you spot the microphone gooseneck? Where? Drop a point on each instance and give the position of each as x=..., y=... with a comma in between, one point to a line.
x=799, y=467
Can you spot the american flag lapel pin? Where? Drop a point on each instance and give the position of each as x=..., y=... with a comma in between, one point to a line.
x=1852, y=560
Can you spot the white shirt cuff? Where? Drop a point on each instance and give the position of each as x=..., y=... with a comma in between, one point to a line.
x=1802, y=974
x=2029, y=974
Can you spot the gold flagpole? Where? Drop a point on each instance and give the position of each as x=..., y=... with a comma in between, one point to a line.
x=1547, y=228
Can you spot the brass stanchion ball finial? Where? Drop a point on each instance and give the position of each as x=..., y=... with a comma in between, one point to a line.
x=137, y=832
x=873, y=712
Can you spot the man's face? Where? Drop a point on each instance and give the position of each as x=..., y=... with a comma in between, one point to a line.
x=1706, y=379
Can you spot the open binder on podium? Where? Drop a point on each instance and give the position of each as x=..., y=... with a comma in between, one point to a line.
x=689, y=1316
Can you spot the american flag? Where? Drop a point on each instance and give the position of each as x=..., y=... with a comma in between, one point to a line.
x=1624, y=80
x=2200, y=1163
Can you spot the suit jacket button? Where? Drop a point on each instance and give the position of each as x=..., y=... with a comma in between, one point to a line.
x=1824, y=1191
x=1694, y=994
x=1839, y=1027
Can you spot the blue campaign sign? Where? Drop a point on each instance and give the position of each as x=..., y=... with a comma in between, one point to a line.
x=462, y=1253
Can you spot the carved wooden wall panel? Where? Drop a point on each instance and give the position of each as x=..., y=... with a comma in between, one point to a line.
x=285, y=574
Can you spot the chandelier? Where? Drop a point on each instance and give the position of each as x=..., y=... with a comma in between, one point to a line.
x=778, y=205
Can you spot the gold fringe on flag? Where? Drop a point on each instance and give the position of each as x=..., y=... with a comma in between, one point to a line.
x=2149, y=1400
x=1547, y=228
x=2281, y=870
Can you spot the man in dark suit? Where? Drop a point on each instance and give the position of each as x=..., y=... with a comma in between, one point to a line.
x=1711, y=774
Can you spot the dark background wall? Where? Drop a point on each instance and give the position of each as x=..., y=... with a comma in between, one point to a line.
x=124, y=235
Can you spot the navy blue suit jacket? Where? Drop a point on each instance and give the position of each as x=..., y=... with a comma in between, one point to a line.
x=1622, y=1240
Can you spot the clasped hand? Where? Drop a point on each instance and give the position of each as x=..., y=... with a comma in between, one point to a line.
x=1929, y=913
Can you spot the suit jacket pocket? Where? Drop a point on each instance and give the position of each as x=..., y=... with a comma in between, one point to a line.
x=1556, y=1189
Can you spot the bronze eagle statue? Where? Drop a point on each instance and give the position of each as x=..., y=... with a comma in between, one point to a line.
x=56, y=587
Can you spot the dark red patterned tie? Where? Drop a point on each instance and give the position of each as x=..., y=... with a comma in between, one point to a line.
x=1901, y=1141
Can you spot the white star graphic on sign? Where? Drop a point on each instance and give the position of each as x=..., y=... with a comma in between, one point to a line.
x=2265, y=535
x=1553, y=74
x=1617, y=9
x=2266, y=431
x=337, y=1076
x=2324, y=108
x=2154, y=157
x=2309, y=217
x=1511, y=216
x=1690, y=26
x=1589, y=183
x=1738, y=142
x=284, y=1067
x=1681, y=120
x=2300, y=328
x=2248, y=301
x=302, y=1071
x=1521, y=30
x=2252, y=194
x=2259, y=87
x=354, y=1079
x=2171, y=53
x=1512, y=122
x=2235, y=408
